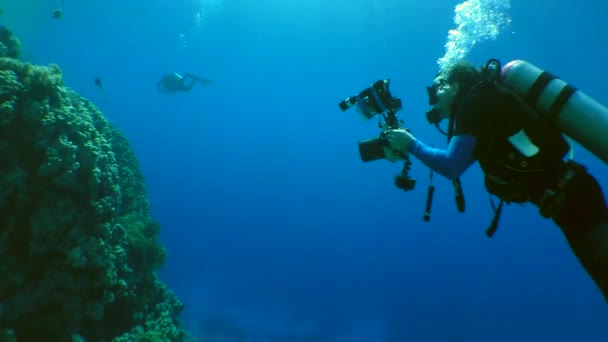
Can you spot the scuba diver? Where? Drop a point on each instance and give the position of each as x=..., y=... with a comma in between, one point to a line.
x=174, y=82
x=516, y=137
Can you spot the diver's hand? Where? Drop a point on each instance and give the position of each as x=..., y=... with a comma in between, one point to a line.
x=399, y=139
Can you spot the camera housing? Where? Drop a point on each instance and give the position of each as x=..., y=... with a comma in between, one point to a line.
x=373, y=101
x=372, y=149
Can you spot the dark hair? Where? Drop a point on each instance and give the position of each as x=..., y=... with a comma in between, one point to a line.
x=465, y=74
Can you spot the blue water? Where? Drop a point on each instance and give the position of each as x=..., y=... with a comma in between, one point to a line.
x=271, y=221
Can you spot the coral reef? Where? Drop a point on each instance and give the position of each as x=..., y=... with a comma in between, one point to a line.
x=78, y=247
x=9, y=44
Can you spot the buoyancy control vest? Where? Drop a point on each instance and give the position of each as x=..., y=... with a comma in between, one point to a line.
x=516, y=146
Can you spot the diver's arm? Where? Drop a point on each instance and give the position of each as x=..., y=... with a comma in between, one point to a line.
x=451, y=162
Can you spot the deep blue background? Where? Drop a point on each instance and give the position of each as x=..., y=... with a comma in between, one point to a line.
x=267, y=213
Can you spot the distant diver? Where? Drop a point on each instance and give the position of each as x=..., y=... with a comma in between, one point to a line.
x=174, y=82
x=57, y=13
x=98, y=83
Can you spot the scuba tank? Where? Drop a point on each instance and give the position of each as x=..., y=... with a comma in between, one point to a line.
x=575, y=113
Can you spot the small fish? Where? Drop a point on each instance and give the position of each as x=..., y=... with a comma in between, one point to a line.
x=98, y=83
x=57, y=13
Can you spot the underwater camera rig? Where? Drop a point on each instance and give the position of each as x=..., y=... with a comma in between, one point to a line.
x=373, y=101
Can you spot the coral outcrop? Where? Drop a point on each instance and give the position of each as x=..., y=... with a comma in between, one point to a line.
x=78, y=247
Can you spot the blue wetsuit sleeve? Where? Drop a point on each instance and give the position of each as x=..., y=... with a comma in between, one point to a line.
x=451, y=162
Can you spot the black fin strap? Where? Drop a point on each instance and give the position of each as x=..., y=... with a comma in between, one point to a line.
x=494, y=226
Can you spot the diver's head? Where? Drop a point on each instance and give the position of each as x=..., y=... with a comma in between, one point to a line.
x=441, y=96
x=465, y=74
x=447, y=86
